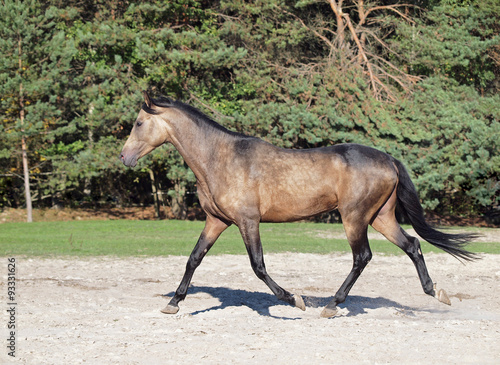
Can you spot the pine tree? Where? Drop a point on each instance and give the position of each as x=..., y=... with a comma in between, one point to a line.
x=31, y=67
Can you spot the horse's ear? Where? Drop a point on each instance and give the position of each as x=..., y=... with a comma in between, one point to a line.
x=147, y=99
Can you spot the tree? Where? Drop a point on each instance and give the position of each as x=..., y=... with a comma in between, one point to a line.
x=359, y=36
x=123, y=48
x=454, y=158
x=457, y=40
x=420, y=83
x=34, y=60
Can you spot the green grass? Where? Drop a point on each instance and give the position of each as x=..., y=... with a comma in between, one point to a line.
x=162, y=238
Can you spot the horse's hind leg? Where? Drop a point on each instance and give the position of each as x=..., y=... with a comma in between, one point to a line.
x=251, y=237
x=358, y=240
x=213, y=228
x=387, y=224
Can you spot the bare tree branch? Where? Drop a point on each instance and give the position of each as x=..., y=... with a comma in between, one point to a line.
x=322, y=37
x=379, y=70
x=360, y=50
x=411, y=78
x=337, y=10
x=392, y=8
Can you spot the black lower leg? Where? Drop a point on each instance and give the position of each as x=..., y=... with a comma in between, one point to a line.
x=360, y=260
x=213, y=228
x=251, y=237
x=260, y=270
x=194, y=261
x=413, y=250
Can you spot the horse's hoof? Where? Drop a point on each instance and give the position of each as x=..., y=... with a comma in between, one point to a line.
x=170, y=309
x=443, y=297
x=328, y=312
x=299, y=302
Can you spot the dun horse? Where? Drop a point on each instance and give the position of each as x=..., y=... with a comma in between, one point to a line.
x=243, y=180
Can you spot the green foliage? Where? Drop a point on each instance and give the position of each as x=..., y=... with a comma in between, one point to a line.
x=457, y=165
x=34, y=69
x=265, y=68
x=457, y=40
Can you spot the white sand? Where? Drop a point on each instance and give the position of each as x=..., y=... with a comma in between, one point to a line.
x=107, y=311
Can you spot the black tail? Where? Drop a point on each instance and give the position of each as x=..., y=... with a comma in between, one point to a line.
x=410, y=203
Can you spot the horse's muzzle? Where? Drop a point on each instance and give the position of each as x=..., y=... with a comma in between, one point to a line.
x=129, y=161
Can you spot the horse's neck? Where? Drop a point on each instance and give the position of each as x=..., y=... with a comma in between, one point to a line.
x=197, y=145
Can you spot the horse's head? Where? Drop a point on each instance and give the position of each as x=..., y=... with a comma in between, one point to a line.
x=149, y=132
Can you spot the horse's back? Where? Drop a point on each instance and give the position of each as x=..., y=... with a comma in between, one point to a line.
x=357, y=155
x=295, y=184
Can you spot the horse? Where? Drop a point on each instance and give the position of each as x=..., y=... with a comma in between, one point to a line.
x=243, y=180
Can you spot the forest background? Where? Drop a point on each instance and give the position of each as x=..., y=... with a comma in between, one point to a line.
x=417, y=79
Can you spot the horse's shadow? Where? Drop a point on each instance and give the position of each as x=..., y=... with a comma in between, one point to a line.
x=263, y=302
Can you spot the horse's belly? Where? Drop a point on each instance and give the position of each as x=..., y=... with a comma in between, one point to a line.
x=286, y=208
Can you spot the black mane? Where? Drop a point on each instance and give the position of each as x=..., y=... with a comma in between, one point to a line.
x=194, y=114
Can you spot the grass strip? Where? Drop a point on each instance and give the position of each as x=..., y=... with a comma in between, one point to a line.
x=163, y=238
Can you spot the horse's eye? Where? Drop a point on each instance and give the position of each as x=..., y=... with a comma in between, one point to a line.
x=139, y=123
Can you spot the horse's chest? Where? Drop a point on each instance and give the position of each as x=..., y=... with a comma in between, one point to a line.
x=214, y=203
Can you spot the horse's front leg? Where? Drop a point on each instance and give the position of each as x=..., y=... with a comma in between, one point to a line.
x=250, y=233
x=213, y=228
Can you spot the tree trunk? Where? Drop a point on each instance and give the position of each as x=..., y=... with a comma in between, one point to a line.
x=27, y=192
x=337, y=9
x=179, y=208
x=29, y=209
x=155, y=194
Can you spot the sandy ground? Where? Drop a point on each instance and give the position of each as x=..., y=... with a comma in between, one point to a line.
x=107, y=311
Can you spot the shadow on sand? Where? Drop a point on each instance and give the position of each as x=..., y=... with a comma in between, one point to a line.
x=262, y=302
